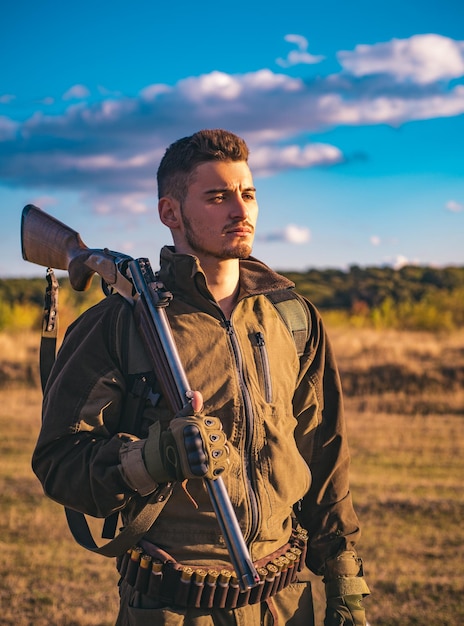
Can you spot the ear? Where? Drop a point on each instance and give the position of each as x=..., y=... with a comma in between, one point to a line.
x=169, y=212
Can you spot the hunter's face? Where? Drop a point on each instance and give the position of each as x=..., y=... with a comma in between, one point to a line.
x=220, y=211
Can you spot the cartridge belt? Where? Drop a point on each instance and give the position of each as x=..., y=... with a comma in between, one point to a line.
x=153, y=572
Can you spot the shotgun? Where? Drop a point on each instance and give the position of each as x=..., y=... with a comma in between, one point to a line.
x=50, y=243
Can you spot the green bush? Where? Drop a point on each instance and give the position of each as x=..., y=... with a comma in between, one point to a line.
x=15, y=316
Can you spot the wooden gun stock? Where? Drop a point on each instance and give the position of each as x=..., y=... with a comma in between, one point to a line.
x=48, y=242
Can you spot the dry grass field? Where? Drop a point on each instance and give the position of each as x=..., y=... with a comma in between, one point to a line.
x=405, y=411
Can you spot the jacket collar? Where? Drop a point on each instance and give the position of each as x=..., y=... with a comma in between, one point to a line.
x=183, y=276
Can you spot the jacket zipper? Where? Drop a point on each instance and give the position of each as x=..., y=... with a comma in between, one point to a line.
x=249, y=423
x=265, y=366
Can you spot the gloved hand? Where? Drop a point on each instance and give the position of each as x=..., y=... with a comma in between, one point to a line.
x=345, y=588
x=194, y=446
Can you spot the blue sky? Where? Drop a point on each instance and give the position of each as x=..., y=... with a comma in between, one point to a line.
x=353, y=111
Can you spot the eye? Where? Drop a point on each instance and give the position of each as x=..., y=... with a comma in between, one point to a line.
x=218, y=198
x=249, y=196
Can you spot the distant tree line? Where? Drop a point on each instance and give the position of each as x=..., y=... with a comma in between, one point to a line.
x=412, y=297
x=338, y=289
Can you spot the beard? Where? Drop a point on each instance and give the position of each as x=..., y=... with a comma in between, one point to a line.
x=199, y=243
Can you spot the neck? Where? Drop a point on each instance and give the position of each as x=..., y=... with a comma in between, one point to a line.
x=223, y=282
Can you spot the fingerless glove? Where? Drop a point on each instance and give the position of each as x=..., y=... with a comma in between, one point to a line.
x=194, y=446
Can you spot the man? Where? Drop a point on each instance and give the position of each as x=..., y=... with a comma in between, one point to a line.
x=270, y=423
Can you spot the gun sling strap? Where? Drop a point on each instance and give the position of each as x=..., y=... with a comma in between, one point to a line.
x=49, y=327
x=294, y=313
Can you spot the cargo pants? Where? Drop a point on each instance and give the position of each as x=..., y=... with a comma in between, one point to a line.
x=292, y=606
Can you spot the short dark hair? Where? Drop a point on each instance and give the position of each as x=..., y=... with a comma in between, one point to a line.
x=184, y=155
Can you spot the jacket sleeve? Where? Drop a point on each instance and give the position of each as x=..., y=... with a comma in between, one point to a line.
x=78, y=453
x=326, y=511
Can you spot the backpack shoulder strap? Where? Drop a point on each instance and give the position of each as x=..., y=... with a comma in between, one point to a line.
x=294, y=312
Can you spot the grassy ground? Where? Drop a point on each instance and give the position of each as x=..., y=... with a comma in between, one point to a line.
x=407, y=446
x=45, y=578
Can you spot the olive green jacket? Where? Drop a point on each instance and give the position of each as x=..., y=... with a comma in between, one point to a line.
x=282, y=415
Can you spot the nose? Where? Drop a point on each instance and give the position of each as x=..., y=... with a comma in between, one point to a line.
x=239, y=208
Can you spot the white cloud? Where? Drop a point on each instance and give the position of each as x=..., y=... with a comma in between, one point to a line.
x=128, y=204
x=135, y=203
x=153, y=91
x=400, y=260
x=393, y=109
x=289, y=234
x=218, y=85
x=266, y=81
x=375, y=240
x=420, y=59
x=111, y=162
x=455, y=207
x=267, y=160
x=296, y=234
x=77, y=92
x=295, y=57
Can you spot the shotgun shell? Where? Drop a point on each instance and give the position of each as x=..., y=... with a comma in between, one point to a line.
x=209, y=590
x=196, y=587
x=156, y=577
x=284, y=572
x=186, y=575
x=222, y=588
x=182, y=594
x=276, y=567
x=143, y=574
x=293, y=561
x=257, y=590
x=232, y=594
x=133, y=565
x=269, y=581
